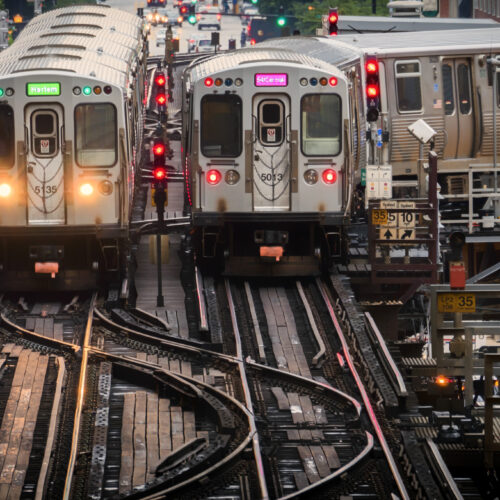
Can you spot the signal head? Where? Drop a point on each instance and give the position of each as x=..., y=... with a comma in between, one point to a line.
x=159, y=149
x=161, y=99
x=159, y=174
x=160, y=79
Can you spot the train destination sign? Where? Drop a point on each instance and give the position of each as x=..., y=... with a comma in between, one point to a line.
x=43, y=89
x=271, y=79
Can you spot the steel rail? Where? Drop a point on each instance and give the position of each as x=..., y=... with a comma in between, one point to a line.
x=255, y=322
x=41, y=484
x=202, y=307
x=364, y=395
x=264, y=495
x=444, y=472
x=400, y=383
x=322, y=348
x=80, y=401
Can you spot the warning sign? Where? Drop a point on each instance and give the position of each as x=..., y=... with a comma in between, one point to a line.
x=271, y=135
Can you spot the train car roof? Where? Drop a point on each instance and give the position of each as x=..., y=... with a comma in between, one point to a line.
x=87, y=40
x=200, y=69
x=377, y=24
x=344, y=48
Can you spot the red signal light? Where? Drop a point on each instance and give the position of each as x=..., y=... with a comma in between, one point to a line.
x=333, y=17
x=159, y=174
x=160, y=80
x=159, y=149
x=209, y=82
x=184, y=9
x=219, y=17
x=329, y=176
x=333, y=81
x=371, y=66
x=372, y=91
x=161, y=99
x=213, y=177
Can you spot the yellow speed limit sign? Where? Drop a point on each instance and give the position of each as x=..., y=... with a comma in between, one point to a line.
x=456, y=302
x=379, y=216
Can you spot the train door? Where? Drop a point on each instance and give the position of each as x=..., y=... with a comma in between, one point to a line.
x=44, y=127
x=271, y=154
x=458, y=108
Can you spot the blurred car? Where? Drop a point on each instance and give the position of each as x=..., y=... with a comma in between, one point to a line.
x=248, y=14
x=161, y=35
x=210, y=18
x=173, y=16
x=154, y=16
x=204, y=45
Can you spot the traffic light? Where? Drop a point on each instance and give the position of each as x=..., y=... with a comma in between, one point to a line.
x=183, y=9
x=192, y=14
x=255, y=2
x=372, y=88
x=158, y=154
x=161, y=96
x=281, y=20
x=333, y=18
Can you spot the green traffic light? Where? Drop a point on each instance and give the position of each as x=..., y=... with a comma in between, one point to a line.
x=192, y=19
x=281, y=21
x=255, y=1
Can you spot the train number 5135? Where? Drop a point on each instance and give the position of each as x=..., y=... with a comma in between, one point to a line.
x=45, y=189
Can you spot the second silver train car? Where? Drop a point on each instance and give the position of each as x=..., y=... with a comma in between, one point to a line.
x=266, y=148
x=71, y=94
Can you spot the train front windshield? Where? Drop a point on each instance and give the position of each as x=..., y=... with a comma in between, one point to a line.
x=321, y=124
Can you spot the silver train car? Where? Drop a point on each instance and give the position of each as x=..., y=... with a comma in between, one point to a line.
x=71, y=120
x=442, y=77
x=266, y=152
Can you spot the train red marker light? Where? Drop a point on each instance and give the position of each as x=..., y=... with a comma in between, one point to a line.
x=213, y=177
x=159, y=174
x=329, y=176
x=209, y=82
x=333, y=81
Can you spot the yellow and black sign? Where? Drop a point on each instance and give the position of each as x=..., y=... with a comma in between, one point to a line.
x=379, y=216
x=456, y=302
x=153, y=197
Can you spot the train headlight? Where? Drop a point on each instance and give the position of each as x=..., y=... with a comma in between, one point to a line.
x=329, y=176
x=105, y=187
x=232, y=177
x=213, y=177
x=311, y=176
x=5, y=190
x=86, y=189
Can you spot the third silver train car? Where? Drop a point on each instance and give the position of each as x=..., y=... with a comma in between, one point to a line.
x=265, y=148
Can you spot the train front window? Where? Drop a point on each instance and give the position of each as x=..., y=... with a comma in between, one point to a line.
x=408, y=86
x=95, y=135
x=321, y=119
x=7, y=144
x=221, y=126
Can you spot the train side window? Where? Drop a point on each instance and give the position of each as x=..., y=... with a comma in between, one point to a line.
x=449, y=100
x=95, y=135
x=221, y=126
x=321, y=119
x=463, y=84
x=409, y=95
x=7, y=144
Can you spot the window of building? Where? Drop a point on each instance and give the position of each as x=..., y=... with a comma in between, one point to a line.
x=95, y=131
x=409, y=95
x=221, y=126
x=321, y=124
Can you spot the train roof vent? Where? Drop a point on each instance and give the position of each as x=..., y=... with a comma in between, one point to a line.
x=43, y=69
x=406, y=8
x=76, y=25
x=38, y=56
x=65, y=33
x=57, y=46
x=74, y=14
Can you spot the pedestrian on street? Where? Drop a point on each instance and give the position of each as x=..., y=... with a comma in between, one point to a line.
x=243, y=37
